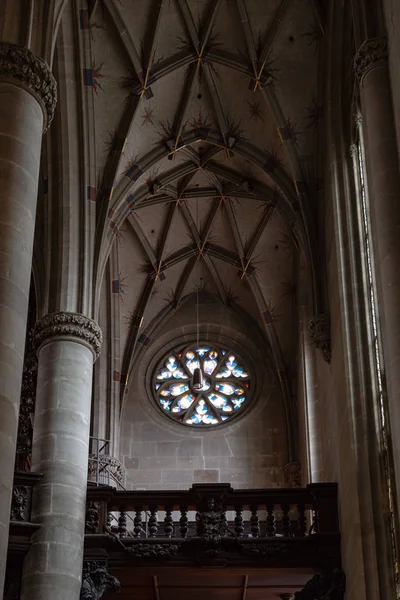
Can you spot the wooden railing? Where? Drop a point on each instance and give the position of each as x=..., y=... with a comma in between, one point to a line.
x=216, y=520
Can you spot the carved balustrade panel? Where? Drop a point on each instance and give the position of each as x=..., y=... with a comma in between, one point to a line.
x=216, y=520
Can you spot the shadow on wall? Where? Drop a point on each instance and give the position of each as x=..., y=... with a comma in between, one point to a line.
x=158, y=453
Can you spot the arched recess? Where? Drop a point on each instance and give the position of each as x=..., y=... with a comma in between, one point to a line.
x=206, y=250
x=248, y=327
x=154, y=446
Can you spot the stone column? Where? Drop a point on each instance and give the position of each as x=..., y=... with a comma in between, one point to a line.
x=68, y=344
x=27, y=103
x=383, y=184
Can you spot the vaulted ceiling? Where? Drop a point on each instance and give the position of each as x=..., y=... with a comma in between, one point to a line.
x=206, y=130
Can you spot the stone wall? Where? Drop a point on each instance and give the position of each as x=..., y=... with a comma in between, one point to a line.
x=160, y=454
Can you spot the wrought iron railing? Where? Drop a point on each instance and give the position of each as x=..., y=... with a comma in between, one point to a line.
x=103, y=469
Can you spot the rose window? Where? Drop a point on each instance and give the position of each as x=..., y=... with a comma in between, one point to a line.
x=224, y=391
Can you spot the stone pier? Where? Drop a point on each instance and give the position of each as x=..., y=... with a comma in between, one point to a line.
x=27, y=103
x=68, y=344
x=383, y=178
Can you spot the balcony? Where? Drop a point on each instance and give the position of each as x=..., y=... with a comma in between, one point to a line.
x=251, y=543
x=285, y=535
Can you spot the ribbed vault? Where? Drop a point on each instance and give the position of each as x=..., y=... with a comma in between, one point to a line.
x=205, y=136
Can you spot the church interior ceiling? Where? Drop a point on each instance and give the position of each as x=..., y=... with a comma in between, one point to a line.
x=206, y=130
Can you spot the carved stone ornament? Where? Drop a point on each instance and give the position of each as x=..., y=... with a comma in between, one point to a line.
x=19, y=503
x=69, y=325
x=371, y=53
x=96, y=581
x=320, y=331
x=324, y=587
x=21, y=66
x=292, y=473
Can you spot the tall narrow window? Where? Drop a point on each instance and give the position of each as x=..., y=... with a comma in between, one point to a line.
x=377, y=356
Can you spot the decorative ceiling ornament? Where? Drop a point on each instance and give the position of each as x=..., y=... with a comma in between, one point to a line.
x=225, y=385
x=371, y=53
x=320, y=331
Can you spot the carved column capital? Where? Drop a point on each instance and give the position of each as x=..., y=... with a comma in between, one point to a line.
x=320, y=331
x=371, y=53
x=96, y=581
x=20, y=66
x=70, y=326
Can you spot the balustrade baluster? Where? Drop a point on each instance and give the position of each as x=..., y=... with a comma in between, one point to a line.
x=285, y=520
x=270, y=520
x=122, y=523
x=224, y=519
x=315, y=524
x=254, y=522
x=153, y=522
x=137, y=522
x=239, y=524
x=301, y=521
x=109, y=519
x=168, y=522
x=183, y=522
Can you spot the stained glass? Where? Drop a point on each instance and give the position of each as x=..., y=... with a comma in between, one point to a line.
x=186, y=401
x=201, y=351
x=192, y=365
x=209, y=366
x=180, y=374
x=237, y=402
x=217, y=400
x=225, y=388
x=178, y=389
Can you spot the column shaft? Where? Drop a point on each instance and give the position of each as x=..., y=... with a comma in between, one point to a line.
x=53, y=566
x=384, y=190
x=21, y=123
x=27, y=103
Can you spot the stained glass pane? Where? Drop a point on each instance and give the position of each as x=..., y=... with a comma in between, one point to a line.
x=186, y=401
x=180, y=374
x=225, y=385
x=218, y=400
x=178, y=389
x=201, y=351
x=209, y=366
x=237, y=402
x=225, y=388
x=192, y=365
